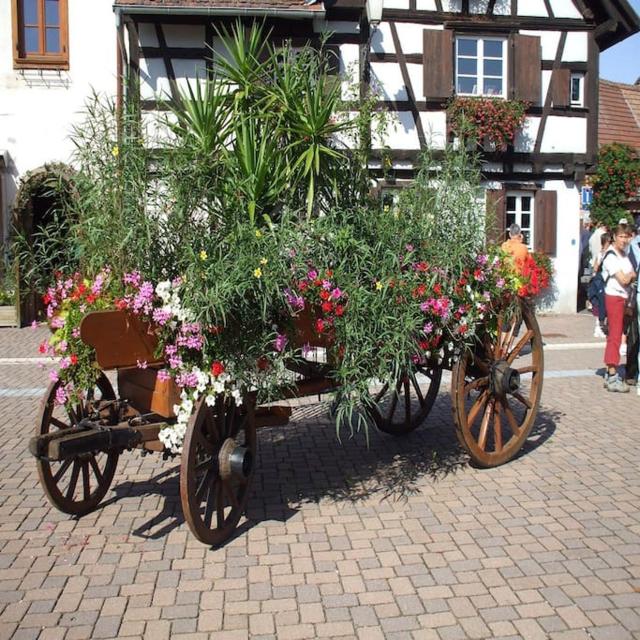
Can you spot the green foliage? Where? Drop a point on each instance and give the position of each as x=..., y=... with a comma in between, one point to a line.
x=617, y=179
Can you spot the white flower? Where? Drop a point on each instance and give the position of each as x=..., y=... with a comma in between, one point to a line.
x=210, y=399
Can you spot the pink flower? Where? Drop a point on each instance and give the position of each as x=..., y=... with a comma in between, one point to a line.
x=65, y=363
x=163, y=375
x=336, y=293
x=57, y=322
x=312, y=274
x=161, y=316
x=280, y=342
x=141, y=364
x=61, y=396
x=53, y=375
x=34, y=325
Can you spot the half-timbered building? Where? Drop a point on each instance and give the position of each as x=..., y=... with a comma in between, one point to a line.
x=420, y=55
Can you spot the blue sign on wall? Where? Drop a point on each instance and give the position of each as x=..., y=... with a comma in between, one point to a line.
x=586, y=197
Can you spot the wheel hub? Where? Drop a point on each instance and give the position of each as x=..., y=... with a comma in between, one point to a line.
x=504, y=379
x=234, y=461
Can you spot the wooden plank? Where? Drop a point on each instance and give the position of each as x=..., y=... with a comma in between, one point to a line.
x=526, y=68
x=591, y=90
x=546, y=221
x=407, y=83
x=171, y=75
x=437, y=63
x=547, y=102
x=560, y=90
x=496, y=216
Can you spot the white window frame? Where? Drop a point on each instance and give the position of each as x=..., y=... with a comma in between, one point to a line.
x=580, y=78
x=518, y=195
x=480, y=57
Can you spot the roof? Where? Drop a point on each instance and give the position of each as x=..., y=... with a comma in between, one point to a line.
x=619, y=113
x=615, y=20
x=214, y=6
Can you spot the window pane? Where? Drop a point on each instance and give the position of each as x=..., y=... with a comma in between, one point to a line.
x=467, y=85
x=493, y=86
x=526, y=221
x=525, y=237
x=493, y=48
x=575, y=89
x=52, y=14
x=467, y=47
x=493, y=68
x=526, y=203
x=511, y=203
x=468, y=66
x=511, y=218
x=30, y=11
x=52, y=40
x=31, y=38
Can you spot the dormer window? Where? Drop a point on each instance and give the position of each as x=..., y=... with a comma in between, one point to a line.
x=480, y=66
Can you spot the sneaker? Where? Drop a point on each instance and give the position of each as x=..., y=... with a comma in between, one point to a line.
x=638, y=390
x=605, y=379
x=623, y=350
x=616, y=385
x=631, y=382
x=598, y=332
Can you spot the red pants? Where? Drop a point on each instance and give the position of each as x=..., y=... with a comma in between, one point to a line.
x=615, y=320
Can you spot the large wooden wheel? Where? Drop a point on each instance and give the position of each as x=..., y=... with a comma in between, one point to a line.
x=496, y=390
x=75, y=485
x=399, y=408
x=218, y=459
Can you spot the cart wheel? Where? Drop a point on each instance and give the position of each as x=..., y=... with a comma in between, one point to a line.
x=75, y=485
x=218, y=458
x=400, y=410
x=496, y=391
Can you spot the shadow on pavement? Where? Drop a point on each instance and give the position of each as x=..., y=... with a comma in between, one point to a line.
x=305, y=463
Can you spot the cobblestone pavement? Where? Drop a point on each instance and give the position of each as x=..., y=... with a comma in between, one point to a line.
x=401, y=540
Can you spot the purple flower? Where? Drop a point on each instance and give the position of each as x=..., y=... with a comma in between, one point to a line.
x=428, y=328
x=161, y=316
x=500, y=283
x=326, y=284
x=312, y=274
x=53, y=375
x=132, y=278
x=163, y=375
x=409, y=247
x=482, y=259
x=336, y=293
x=141, y=364
x=61, y=395
x=280, y=342
x=187, y=379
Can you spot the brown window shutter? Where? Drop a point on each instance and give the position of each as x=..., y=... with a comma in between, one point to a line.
x=526, y=69
x=546, y=222
x=560, y=86
x=496, y=216
x=437, y=64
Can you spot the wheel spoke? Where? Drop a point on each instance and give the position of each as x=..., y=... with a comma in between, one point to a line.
x=63, y=467
x=86, y=488
x=522, y=399
x=416, y=386
x=476, y=384
x=498, y=343
x=206, y=481
x=497, y=428
x=72, y=416
x=220, y=505
x=59, y=423
x=407, y=400
x=530, y=369
x=476, y=407
x=484, y=425
x=381, y=393
x=96, y=470
x=506, y=344
x=211, y=501
x=231, y=495
x=516, y=350
x=71, y=489
x=511, y=419
x=392, y=404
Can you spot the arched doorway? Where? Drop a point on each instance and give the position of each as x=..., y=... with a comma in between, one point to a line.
x=38, y=207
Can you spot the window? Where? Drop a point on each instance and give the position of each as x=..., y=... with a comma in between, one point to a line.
x=577, y=90
x=40, y=38
x=480, y=66
x=520, y=212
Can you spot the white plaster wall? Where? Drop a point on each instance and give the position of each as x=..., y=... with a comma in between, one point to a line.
x=565, y=9
x=154, y=82
x=38, y=110
x=567, y=246
x=396, y=4
x=478, y=6
x=410, y=36
x=426, y=5
x=576, y=47
x=403, y=135
x=532, y=8
x=434, y=125
x=320, y=25
x=564, y=135
x=525, y=139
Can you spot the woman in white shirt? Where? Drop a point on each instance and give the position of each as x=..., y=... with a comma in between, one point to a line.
x=618, y=274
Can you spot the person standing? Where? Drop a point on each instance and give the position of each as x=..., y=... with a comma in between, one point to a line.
x=618, y=274
x=633, y=322
x=516, y=247
x=594, y=242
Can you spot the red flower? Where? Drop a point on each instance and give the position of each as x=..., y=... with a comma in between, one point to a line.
x=319, y=325
x=120, y=304
x=437, y=289
x=324, y=294
x=91, y=298
x=327, y=307
x=263, y=363
x=217, y=368
x=42, y=347
x=339, y=310
x=329, y=273
x=74, y=359
x=215, y=330
x=46, y=298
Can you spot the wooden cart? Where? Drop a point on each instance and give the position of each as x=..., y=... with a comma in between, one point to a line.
x=495, y=394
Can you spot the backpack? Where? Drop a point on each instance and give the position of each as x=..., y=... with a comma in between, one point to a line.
x=595, y=292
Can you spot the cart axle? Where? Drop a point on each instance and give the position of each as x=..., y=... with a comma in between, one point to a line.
x=504, y=379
